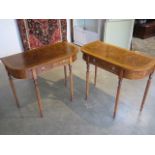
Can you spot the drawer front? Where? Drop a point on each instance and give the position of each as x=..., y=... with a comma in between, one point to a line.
x=103, y=64
x=116, y=69
x=47, y=67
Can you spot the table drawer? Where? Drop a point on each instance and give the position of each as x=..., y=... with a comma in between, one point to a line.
x=49, y=66
x=103, y=64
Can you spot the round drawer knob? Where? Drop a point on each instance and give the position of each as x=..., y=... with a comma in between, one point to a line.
x=42, y=68
x=113, y=68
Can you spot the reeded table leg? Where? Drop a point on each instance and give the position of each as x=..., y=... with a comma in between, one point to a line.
x=87, y=78
x=65, y=72
x=118, y=93
x=13, y=90
x=34, y=75
x=71, y=82
x=146, y=91
x=95, y=75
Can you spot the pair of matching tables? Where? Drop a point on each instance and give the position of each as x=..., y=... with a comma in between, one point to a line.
x=123, y=63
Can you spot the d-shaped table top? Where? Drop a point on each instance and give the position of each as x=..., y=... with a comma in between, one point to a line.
x=121, y=57
x=39, y=56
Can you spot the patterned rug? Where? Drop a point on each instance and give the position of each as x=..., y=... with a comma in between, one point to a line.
x=144, y=45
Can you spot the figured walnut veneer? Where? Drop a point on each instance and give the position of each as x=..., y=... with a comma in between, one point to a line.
x=41, y=59
x=114, y=59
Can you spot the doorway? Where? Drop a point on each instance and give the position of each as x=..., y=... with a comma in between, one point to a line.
x=86, y=30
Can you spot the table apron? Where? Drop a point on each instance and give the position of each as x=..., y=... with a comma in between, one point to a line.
x=102, y=64
x=116, y=69
x=47, y=67
x=27, y=74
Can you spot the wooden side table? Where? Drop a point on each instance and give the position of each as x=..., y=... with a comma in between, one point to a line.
x=28, y=65
x=124, y=63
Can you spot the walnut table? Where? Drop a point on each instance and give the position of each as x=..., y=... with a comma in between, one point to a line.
x=122, y=62
x=30, y=64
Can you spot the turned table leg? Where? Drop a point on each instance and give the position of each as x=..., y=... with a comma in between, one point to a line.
x=65, y=72
x=118, y=93
x=95, y=75
x=13, y=90
x=146, y=91
x=34, y=76
x=87, y=78
x=71, y=82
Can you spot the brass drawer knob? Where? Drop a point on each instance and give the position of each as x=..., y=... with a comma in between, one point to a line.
x=94, y=60
x=43, y=68
x=113, y=68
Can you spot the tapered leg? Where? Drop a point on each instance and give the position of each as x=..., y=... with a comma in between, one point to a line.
x=87, y=78
x=34, y=75
x=118, y=93
x=13, y=90
x=95, y=75
x=65, y=72
x=146, y=91
x=71, y=82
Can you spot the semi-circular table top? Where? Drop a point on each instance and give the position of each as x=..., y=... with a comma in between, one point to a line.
x=126, y=59
x=41, y=59
x=39, y=56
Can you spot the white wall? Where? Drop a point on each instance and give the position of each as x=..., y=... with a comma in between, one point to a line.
x=10, y=42
x=68, y=30
x=119, y=32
